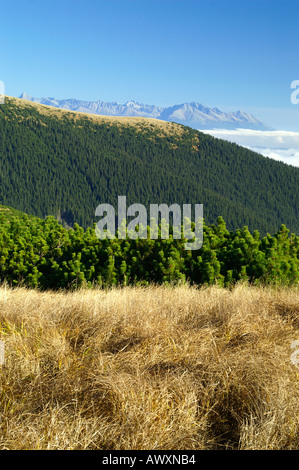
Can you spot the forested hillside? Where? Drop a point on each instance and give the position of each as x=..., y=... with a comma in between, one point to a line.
x=60, y=163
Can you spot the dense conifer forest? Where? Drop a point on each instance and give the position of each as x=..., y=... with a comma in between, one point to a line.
x=65, y=164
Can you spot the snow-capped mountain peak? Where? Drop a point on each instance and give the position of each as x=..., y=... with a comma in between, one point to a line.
x=191, y=114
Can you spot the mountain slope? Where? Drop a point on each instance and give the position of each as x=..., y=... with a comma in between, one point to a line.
x=192, y=114
x=63, y=163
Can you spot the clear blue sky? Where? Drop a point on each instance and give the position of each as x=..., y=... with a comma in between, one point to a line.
x=233, y=54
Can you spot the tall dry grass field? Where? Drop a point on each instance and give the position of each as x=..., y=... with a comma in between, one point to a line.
x=149, y=368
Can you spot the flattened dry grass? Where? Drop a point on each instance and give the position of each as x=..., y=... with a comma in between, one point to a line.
x=149, y=368
x=140, y=123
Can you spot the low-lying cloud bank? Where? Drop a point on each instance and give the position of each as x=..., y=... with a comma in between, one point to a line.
x=279, y=145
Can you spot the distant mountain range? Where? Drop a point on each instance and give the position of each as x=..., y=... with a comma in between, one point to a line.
x=194, y=115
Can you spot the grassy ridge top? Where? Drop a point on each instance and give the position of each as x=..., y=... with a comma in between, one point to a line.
x=75, y=116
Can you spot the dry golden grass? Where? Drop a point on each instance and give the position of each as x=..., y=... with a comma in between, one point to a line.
x=140, y=123
x=149, y=368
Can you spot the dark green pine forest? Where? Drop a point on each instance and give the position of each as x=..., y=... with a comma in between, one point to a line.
x=57, y=166
x=64, y=164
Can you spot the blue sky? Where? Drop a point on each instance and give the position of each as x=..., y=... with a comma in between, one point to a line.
x=233, y=54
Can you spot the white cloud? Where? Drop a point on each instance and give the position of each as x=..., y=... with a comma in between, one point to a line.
x=289, y=156
x=279, y=145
